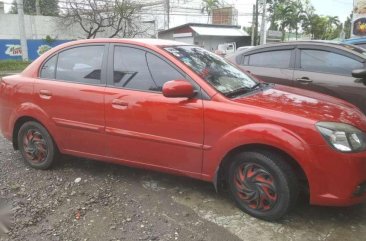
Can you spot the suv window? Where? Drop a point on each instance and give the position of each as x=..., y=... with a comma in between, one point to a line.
x=81, y=64
x=327, y=62
x=48, y=68
x=161, y=71
x=363, y=45
x=130, y=69
x=271, y=59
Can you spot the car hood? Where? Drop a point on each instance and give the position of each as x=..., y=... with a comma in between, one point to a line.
x=307, y=104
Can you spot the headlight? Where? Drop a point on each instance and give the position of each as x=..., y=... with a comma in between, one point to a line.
x=343, y=137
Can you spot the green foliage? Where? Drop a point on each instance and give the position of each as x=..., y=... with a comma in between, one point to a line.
x=348, y=26
x=299, y=15
x=13, y=65
x=48, y=7
x=48, y=39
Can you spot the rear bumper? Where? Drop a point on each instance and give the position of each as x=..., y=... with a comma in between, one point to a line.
x=337, y=179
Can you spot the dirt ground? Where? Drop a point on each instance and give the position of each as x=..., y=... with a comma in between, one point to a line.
x=88, y=200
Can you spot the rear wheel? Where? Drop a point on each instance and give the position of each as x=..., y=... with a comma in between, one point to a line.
x=262, y=184
x=36, y=145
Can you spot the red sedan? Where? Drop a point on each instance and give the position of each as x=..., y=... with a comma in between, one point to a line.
x=180, y=109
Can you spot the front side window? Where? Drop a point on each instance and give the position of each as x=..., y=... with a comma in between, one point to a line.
x=271, y=59
x=48, y=68
x=80, y=64
x=222, y=75
x=161, y=71
x=130, y=69
x=328, y=62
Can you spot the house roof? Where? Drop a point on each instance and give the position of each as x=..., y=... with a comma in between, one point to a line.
x=215, y=31
x=211, y=29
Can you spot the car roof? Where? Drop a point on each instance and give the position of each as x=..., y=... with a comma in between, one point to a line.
x=355, y=40
x=144, y=41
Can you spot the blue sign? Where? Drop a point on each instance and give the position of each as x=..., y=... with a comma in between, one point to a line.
x=11, y=49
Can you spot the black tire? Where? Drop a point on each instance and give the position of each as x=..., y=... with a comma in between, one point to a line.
x=36, y=145
x=262, y=184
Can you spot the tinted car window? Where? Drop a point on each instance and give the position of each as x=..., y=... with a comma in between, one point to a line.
x=328, y=62
x=271, y=59
x=131, y=70
x=81, y=64
x=362, y=45
x=48, y=68
x=161, y=71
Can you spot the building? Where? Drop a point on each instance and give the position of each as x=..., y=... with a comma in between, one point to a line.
x=208, y=36
x=225, y=16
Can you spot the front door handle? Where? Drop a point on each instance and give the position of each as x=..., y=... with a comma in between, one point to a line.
x=304, y=80
x=45, y=94
x=119, y=104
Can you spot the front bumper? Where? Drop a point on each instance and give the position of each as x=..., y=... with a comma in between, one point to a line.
x=335, y=178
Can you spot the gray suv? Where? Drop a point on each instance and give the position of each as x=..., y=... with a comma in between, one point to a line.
x=335, y=69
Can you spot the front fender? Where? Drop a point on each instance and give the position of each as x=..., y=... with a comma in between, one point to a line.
x=258, y=133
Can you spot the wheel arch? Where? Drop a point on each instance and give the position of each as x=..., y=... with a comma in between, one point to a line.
x=18, y=124
x=220, y=181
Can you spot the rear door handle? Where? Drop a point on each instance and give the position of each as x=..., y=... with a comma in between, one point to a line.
x=119, y=104
x=304, y=80
x=45, y=94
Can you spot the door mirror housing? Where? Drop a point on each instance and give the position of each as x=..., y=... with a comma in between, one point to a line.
x=359, y=73
x=178, y=89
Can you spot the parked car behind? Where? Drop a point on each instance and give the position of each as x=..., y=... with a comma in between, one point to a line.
x=331, y=68
x=360, y=42
x=180, y=109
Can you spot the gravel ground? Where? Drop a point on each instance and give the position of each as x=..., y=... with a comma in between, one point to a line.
x=88, y=200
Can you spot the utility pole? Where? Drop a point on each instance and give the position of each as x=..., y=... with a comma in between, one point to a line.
x=38, y=9
x=253, y=26
x=263, y=24
x=167, y=14
x=23, y=39
x=256, y=24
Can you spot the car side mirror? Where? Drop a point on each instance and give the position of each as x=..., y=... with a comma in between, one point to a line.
x=359, y=73
x=178, y=89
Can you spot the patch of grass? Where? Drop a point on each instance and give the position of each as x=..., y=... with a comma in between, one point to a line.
x=13, y=65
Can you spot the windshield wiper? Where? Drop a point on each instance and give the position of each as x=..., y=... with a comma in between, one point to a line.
x=244, y=90
x=236, y=92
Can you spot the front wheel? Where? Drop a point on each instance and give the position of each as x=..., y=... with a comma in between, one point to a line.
x=36, y=145
x=262, y=184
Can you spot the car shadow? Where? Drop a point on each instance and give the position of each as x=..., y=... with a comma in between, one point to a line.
x=302, y=212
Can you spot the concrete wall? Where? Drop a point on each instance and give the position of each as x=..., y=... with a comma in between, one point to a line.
x=37, y=27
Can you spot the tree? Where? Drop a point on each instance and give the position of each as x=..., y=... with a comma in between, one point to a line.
x=208, y=6
x=118, y=18
x=348, y=26
x=48, y=7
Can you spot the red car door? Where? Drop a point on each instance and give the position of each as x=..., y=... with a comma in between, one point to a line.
x=142, y=125
x=71, y=91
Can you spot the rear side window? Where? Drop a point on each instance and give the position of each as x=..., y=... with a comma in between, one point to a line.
x=130, y=69
x=271, y=59
x=48, y=68
x=161, y=71
x=328, y=62
x=81, y=64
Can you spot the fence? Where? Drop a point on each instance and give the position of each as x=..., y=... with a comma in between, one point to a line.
x=11, y=49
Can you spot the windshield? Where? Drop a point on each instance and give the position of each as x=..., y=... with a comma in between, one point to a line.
x=225, y=77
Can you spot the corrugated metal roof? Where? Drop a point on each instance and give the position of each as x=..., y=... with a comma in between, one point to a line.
x=219, y=31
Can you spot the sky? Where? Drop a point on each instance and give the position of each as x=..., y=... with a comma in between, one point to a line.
x=340, y=8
